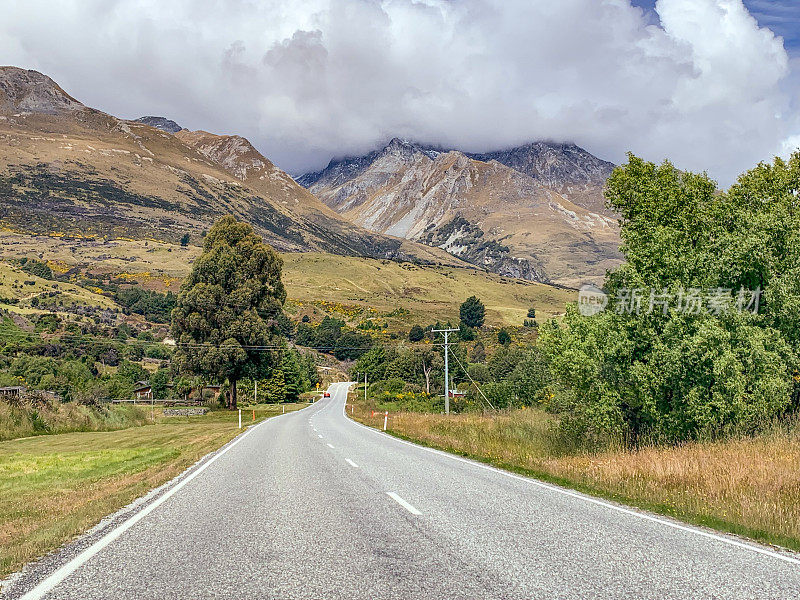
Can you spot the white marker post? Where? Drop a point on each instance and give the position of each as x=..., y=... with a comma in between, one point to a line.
x=385, y=419
x=240, y=418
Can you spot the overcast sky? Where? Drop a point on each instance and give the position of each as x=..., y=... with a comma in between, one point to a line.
x=709, y=84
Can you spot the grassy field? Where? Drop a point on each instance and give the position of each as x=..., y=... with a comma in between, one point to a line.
x=746, y=486
x=351, y=288
x=17, y=284
x=426, y=293
x=55, y=487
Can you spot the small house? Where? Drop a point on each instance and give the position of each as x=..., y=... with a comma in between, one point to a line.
x=143, y=391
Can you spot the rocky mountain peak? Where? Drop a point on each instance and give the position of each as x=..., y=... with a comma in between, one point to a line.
x=555, y=164
x=161, y=123
x=407, y=148
x=23, y=90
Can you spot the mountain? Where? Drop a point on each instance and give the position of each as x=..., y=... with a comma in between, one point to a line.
x=161, y=123
x=564, y=167
x=70, y=170
x=534, y=212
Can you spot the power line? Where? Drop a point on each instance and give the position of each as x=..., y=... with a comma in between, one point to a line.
x=477, y=387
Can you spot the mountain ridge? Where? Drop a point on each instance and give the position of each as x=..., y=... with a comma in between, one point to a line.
x=544, y=220
x=71, y=170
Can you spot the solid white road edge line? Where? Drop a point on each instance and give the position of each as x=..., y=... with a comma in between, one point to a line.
x=51, y=581
x=579, y=496
x=351, y=463
x=403, y=503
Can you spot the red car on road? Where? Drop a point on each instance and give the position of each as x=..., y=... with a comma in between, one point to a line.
x=326, y=394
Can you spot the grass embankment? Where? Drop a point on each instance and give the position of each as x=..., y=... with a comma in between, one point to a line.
x=55, y=417
x=746, y=486
x=55, y=487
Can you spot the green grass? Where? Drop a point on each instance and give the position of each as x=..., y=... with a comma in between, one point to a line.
x=55, y=487
x=57, y=417
x=12, y=285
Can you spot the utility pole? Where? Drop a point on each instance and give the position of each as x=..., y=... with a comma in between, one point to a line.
x=365, y=387
x=255, y=393
x=446, y=368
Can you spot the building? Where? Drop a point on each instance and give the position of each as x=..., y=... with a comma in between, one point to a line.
x=143, y=391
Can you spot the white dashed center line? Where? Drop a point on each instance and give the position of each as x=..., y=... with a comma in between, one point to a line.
x=330, y=445
x=351, y=463
x=403, y=503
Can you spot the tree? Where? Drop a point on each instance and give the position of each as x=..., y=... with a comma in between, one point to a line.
x=472, y=312
x=503, y=337
x=531, y=313
x=466, y=333
x=225, y=321
x=675, y=373
x=158, y=383
x=185, y=240
x=416, y=334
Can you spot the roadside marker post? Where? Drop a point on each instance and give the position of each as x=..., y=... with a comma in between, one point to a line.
x=254, y=414
x=385, y=419
x=240, y=418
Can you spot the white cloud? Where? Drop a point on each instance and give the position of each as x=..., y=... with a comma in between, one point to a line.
x=310, y=79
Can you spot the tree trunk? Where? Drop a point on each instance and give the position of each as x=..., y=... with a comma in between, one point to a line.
x=232, y=395
x=427, y=379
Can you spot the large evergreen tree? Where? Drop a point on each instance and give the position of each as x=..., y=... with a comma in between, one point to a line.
x=225, y=322
x=472, y=312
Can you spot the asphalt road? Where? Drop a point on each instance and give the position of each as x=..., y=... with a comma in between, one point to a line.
x=312, y=505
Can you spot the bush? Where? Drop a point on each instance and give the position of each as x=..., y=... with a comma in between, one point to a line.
x=503, y=337
x=466, y=333
x=416, y=334
x=500, y=394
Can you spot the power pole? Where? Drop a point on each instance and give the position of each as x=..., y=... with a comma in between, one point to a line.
x=446, y=332
x=365, y=387
x=255, y=393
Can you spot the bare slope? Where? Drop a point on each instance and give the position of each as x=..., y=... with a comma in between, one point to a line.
x=487, y=213
x=70, y=169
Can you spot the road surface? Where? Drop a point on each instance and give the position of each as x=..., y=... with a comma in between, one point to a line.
x=312, y=505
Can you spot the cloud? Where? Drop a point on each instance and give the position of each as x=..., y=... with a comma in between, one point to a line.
x=705, y=86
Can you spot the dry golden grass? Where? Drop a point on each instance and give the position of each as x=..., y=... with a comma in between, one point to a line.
x=749, y=486
x=314, y=280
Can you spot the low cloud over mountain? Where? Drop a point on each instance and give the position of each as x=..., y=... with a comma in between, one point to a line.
x=697, y=81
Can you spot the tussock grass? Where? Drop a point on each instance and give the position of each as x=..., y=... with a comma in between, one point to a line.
x=748, y=486
x=27, y=420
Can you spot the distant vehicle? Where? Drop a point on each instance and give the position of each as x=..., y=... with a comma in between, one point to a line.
x=326, y=394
